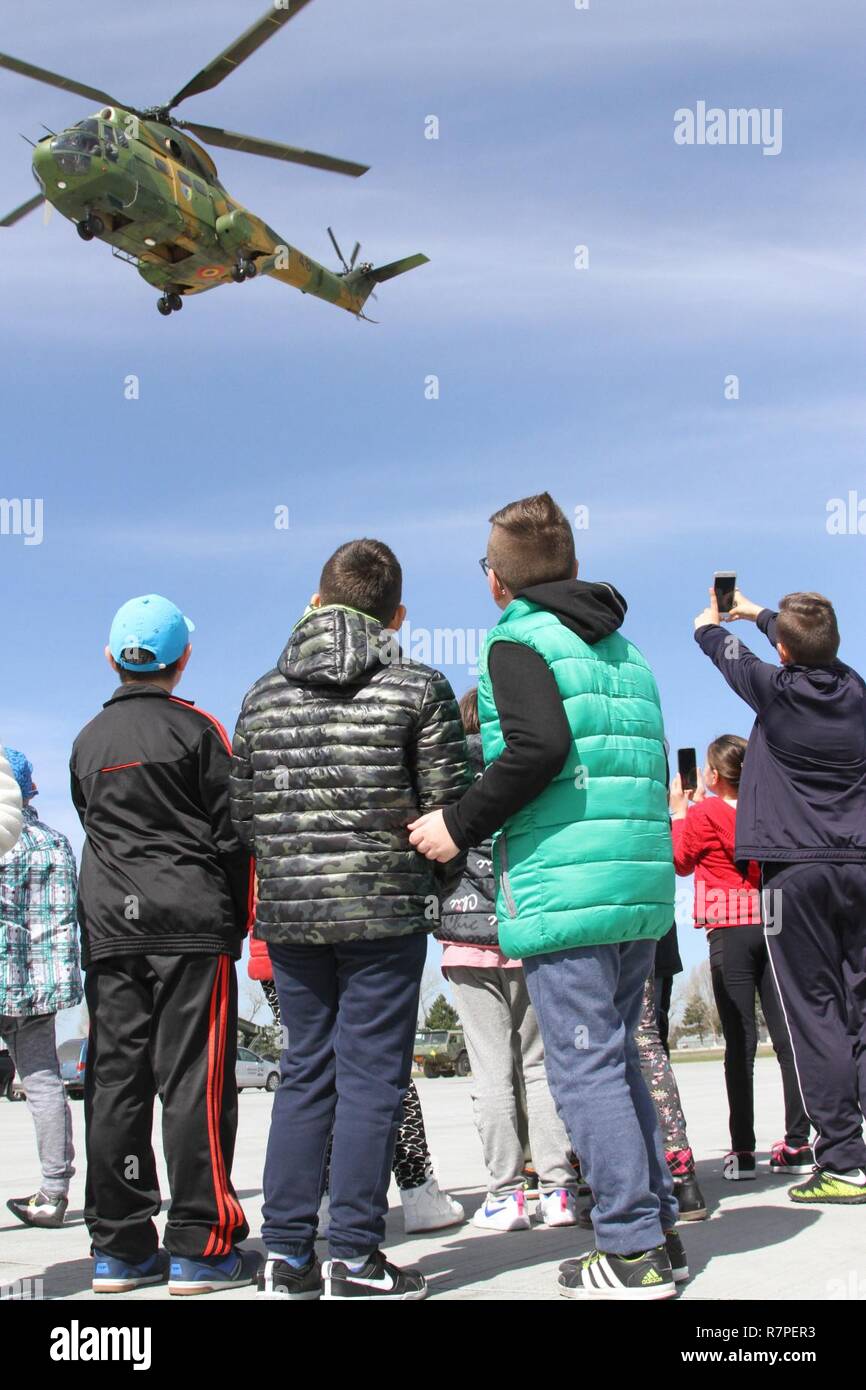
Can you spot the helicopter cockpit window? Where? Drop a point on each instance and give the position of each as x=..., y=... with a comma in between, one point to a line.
x=73, y=148
x=83, y=137
x=109, y=136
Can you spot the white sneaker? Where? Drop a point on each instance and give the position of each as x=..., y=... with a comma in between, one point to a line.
x=558, y=1208
x=503, y=1213
x=324, y=1218
x=428, y=1208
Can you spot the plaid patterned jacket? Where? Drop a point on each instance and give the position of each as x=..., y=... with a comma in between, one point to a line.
x=39, y=959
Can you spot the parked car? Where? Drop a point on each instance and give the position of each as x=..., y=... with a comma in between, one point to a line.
x=253, y=1070
x=72, y=1056
x=441, y=1052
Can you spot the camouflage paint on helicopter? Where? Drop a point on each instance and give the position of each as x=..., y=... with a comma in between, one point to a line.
x=135, y=180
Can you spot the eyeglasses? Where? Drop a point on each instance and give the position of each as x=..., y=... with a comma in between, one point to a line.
x=485, y=564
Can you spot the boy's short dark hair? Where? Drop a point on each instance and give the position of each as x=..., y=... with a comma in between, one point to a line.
x=808, y=628
x=366, y=575
x=139, y=657
x=469, y=711
x=532, y=543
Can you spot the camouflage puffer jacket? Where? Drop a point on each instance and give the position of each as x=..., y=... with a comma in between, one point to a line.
x=335, y=751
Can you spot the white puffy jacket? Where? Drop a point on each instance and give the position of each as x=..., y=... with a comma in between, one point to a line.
x=10, y=807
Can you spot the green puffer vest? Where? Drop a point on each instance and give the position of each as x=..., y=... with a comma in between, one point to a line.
x=589, y=861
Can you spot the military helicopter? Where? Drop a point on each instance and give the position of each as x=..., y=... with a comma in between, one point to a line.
x=135, y=179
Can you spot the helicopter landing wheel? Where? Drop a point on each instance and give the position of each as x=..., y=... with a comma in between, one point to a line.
x=163, y=305
x=90, y=227
x=250, y=269
x=238, y=273
x=175, y=302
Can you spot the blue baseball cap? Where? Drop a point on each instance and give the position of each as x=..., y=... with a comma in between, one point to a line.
x=22, y=771
x=149, y=624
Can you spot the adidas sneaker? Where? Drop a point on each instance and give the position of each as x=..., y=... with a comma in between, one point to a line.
x=639, y=1278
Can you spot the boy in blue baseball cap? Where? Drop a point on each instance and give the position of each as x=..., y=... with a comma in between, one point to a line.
x=164, y=906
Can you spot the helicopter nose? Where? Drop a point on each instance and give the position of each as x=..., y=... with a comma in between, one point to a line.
x=61, y=162
x=46, y=170
x=43, y=161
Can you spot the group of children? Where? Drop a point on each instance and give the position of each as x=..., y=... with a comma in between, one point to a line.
x=533, y=829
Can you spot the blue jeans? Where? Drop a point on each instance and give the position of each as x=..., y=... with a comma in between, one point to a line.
x=350, y=1012
x=588, y=1001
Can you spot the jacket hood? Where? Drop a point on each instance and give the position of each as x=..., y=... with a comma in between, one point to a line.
x=824, y=679
x=476, y=756
x=593, y=611
x=336, y=646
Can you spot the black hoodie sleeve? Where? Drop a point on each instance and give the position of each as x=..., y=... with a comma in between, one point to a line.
x=537, y=743
x=766, y=623
x=234, y=858
x=755, y=681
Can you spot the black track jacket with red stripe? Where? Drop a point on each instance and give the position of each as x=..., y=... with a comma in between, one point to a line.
x=163, y=871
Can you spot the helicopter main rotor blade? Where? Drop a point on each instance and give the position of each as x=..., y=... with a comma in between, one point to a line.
x=219, y=68
x=30, y=206
x=55, y=79
x=250, y=144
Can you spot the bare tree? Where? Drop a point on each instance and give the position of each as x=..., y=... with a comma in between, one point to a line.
x=431, y=986
x=251, y=1000
x=694, y=999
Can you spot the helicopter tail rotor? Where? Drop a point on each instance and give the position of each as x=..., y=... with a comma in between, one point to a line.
x=363, y=281
x=348, y=266
x=340, y=257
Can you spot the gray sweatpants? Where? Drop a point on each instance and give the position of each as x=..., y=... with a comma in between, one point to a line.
x=502, y=1034
x=33, y=1049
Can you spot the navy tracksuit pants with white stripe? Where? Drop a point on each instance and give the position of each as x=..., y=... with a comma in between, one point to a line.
x=816, y=936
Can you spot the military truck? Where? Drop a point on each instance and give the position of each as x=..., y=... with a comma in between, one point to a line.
x=441, y=1052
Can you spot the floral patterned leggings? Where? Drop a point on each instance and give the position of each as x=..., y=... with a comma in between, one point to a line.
x=658, y=1074
x=412, y=1164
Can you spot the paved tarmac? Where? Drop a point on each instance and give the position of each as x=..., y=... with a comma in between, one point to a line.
x=755, y=1244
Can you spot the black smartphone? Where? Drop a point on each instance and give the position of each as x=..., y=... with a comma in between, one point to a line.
x=687, y=766
x=724, y=583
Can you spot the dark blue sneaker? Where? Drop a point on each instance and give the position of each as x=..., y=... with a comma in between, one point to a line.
x=279, y=1279
x=111, y=1275
x=208, y=1273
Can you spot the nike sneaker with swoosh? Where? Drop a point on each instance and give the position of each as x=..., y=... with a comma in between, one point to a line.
x=377, y=1279
x=842, y=1189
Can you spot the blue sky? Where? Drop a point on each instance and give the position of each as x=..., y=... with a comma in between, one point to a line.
x=605, y=385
